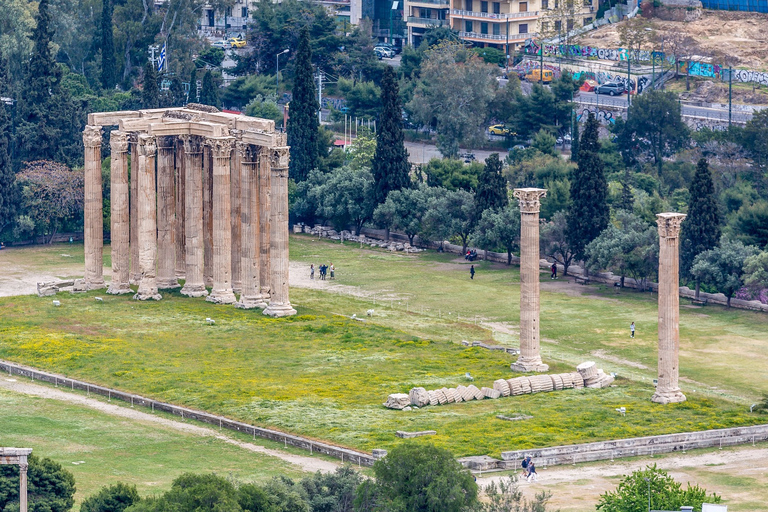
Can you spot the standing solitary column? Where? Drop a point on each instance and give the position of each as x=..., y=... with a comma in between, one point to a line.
x=251, y=296
x=279, y=305
x=166, y=213
x=119, y=202
x=530, y=357
x=265, y=222
x=221, y=150
x=667, y=389
x=23, y=466
x=193, y=217
x=94, y=223
x=147, y=211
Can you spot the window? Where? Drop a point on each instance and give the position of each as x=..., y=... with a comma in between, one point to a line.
x=426, y=13
x=523, y=6
x=545, y=4
x=545, y=26
x=496, y=29
x=587, y=21
x=468, y=5
x=483, y=27
x=558, y=25
x=243, y=12
x=523, y=28
x=570, y=25
x=468, y=26
x=228, y=11
x=483, y=6
x=496, y=7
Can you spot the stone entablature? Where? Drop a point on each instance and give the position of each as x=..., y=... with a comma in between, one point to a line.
x=18, y=456
x=197, y=207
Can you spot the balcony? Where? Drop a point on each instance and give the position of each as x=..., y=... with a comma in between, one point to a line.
x=427, y=22
x=500, y=38
x=458, y=13
x=430, y=3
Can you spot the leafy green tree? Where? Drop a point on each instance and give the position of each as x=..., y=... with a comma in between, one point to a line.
x=209, y=92
x=114, y=498
x=50, y=488
x=150, y=93
x=452, y=174
x=723, y=266
x=630, y=247
x=589, y=212
x=211, y=56
x=108, y=64
x=490, y=55
x=391, y=170
x=575, y=143
x=554, y=241
x=362, y=150
x=754, y=138
x=701, y=229
x=506, y=496
x=332, y=492
x=243, y=90
x=756, y=271
x=363, y=99
x=631, y=495
x=265, y=108
x=452, y=214
x=404, y=210
x=491, y=186
x=346, y=197
x=535, y=112
x=750, y=223
x=194, y=492
x=176, y=95
x=303, y=124
x=544, y=142
x=498, y=228
x=423, y=478
x=627, y=201
x=656, y=124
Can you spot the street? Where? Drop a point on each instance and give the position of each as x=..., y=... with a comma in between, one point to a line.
x=421, y=153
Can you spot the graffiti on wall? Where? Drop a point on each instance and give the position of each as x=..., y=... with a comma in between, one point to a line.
x=602, y=77
x=603, y=116
x=743, y=75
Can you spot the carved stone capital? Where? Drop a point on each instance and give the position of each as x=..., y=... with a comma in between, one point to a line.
x=669, y=224
x=23, y=466
x=92, y=136
x=280, y=157
x=221, y=147
x=118, y=141
x=166, y=142
x=147, y=145
x=192, y=144
x=248, y=152
x=530, y=199
x=237, y=134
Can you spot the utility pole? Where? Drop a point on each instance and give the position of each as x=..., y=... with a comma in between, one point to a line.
x=152, y=49
x=320, y=96
x=730, y=94
x=541, y=61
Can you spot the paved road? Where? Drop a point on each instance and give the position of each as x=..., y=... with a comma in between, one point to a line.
x=420, y=153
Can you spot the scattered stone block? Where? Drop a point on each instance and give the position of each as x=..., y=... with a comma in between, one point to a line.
x=578, y=380
x=479, y=395
x=491, y=393
x=557, y=382
x=441, y=398
x=419, y=397
x=587, y=369
x=479, y=463
x=433, y=398
x=410, y=435
x=502, y=386
x=514, y=418
x=378, y=454
x=541, y=383
x=398, y=401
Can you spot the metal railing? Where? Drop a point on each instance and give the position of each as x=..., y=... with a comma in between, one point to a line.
x=432, y=22
x=494, y=16
x=496, y=37
x=431, y=2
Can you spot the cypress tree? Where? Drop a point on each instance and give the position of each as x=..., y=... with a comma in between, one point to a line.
x=193, y=86
x=491, y=187
x=7, y=177
x=176, y=92
x=390, y=161
x=303, y=125
x=701, y=229
x=589, y=213
x=209, y=92
x=627, y=201
x=575, y=142
x=108, y=66
x=150, y=94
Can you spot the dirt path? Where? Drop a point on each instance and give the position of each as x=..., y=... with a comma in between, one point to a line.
x=310, y=464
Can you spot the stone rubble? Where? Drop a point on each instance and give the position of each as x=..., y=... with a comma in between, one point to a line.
x=321, y=231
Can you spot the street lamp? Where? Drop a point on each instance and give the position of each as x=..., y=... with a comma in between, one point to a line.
x=277, y=71
x=649, y=493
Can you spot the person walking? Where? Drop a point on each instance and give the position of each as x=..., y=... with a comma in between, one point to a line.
x=312, y=271
x=532, y=471
x=632, y=330
x=472, y=272
x=553, y=268
x=524, y=465
x=333, y=269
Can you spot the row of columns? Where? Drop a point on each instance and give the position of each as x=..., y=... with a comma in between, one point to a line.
x=201, y=208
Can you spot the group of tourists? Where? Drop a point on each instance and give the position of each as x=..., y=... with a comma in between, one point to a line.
x=323, y=269
x=529, y=469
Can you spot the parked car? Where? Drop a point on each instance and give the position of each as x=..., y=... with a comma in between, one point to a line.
x=467, y=157
x=385, y=51
x=499, y=129
x=237, y=42
x=392, y=47
x=534, y=76
x=610, y=88
x=224, y=45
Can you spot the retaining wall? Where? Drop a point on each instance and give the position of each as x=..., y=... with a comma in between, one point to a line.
x=312, y=446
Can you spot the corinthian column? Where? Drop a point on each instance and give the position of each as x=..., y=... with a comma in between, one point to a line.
x=193, y=217
x=166, y=213
x=135, y=274
x=279, y=305
x=237, y=278
x=207, y=217
x=221, y=150
x=119, y=202
x=265, y=222
x=667, y=389
x=94, y=223
x=530, y=357
x=147, y=211
x=180, y=210
x=251, y=296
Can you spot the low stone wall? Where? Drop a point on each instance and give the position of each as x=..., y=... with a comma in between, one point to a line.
x=310, y=445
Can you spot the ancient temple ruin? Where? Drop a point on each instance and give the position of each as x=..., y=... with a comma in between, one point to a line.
x=206, y=200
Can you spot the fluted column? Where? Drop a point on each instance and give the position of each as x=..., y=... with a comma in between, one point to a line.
x=530, y=356
x=166, y=213
x=23, y=466
x=135, y=274
x=193, y=217
x=207, y=217
x=147, y=213
x=251, y=296
x=221, y=150
x=94, y=219
x=667, y=389
x=279, y=304
x=235, y=188
x=180, y=210
x=265, y=222
x=119, y=205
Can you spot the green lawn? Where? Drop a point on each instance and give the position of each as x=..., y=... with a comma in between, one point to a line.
x=326, y=376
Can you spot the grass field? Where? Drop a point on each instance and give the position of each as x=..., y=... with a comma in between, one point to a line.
x=326, y=376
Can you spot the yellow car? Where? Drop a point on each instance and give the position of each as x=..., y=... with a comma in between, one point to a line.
x=237, y=43
x=499, y=129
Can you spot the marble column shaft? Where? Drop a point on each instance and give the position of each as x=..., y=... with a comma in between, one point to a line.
x=119, y=207
x=180, y=209
x=279, y=304
x=667, y=388
x=166, y=214
x=147, y=212
x=194, y=286
x=221, y=150
x=265, y=221
x=135, y=273
x=235, y=202
x=23, y=507
x=530, y=355
x=207, y=216
x=251, y=296
x=94, y=218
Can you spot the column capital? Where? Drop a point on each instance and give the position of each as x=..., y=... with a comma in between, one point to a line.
x=147, y=145
x=118, y=141
x=221, y=147
x=165, y=142
x=530, y=199
x=92, y=136
x=280, y=157
x=192, y=144
x=23, y=466
x=669, y=224
x=248, y=152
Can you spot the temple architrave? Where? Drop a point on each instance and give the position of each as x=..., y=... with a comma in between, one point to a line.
x=205, y=199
